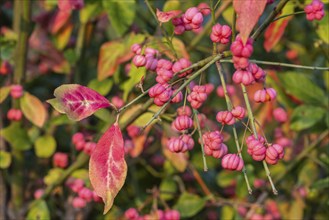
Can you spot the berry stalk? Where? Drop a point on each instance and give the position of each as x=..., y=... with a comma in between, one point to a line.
x=205, y=167
x=253, y=126
x=229, y=107
x=280, y=64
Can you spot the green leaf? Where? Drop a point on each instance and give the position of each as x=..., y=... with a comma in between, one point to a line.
x=227, y=212
x=89, y=11
x=104, y=115
x=189, y=204
x=33, y=109
x=303, y=88
x=136, y=75
x=296, y=210
x=225, y=178
x=45, y=146
x=102, y=87
x=53, y=175
x=121, y=14
x=308, y=174
x=171, y=5
x=305, y=116
x=321, y=184
x=323, y=28
x=81, y=174
x=16, y=136
x=4, y=92
x=38, y=211
x=5, y=159
x=169, y=187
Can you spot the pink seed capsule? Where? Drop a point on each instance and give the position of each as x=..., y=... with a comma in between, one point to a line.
x=243, y=76
x=232, y=162
x=77, y=137
x=179, y=30
x=139, y=60
x=131, y=214
x=172, y=215
x=184, y=110
x=14, y=114
x=242, y=50
x=230, y=90
x=240, y=62
x=117, y=101
x=60, y=160
x=183, y=122
x=189, y=142
x=16, y=91
x=178, y=98
x=77, y=185
x=265, y=95
x=225, y=117
x=189, y=14
x=5, y=68
x=180, y=65
x=222, y=151
x=136, y=48
x=151, y=63
x=86, y=194
x=38, y=193
x=280, y=115
x=78, y=203
x=238, y=112
x=89, y=147
x=133, y=131
x=164, y=76
x=164, y=64
x=220, y=34
x=213, y=140
x=209, y=88
x=204, y=8
x=176, y=145
x=257, y=72
x=156, y=90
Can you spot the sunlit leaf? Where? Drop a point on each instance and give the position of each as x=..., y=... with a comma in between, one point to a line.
x=248, y=13
x=275, y=30
x=305, y=116
x=5, y=159
x=189, y=204
x=33, y=109
x=107, y=166
x=45, y=146
x=136, y=75
x=121, y=14
x=4, y=92
x=38, y=210
x=77, y=101
x=16, y=136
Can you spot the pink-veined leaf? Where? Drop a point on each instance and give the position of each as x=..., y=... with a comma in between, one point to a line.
x=248, y=13
x=107, y=166
x=77, y=101
x=167, y=16
x=59, y=20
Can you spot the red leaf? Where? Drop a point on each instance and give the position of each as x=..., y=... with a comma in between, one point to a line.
x=276, y=29
x=248, y=12
x=167, y=16
x=77, y=101
x=59, y=20
x=107, y=166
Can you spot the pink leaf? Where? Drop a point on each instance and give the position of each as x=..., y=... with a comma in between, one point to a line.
x=68, y=5
x=167, y=16
x=77, y=101
x=107, y=166
x=248, y=13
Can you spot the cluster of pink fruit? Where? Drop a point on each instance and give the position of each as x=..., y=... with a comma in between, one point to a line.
x=84, y=194
x=132, y=214
x=315, y=10
x=270, y=212
x=16, y=92
x=60, y=160
x=259, y=150
x=191, y=20
x=82, y=144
